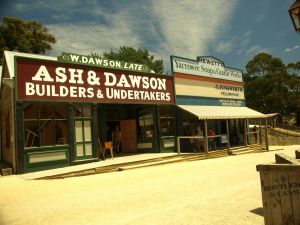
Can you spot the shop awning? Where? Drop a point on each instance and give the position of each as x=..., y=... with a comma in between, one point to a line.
x=222, y=112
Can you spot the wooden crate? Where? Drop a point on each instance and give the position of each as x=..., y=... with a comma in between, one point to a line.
x=280, y=188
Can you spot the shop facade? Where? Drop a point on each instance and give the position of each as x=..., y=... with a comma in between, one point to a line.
x=211, y=108
x=55, y=111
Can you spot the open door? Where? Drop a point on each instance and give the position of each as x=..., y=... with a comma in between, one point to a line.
x=129, y=136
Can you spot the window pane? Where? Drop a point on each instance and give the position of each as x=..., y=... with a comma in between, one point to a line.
x=88, y=149
x=79, y=150
x=47, y=132
x=61, y=111
x=31, y=135
x=61, y=132
x=87, y=110
x=87, y=131
x=78, y=131
x=46, y=111
x=77, y=110
x=31, y=111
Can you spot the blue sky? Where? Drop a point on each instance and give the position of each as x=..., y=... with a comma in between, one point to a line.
x=233, y=31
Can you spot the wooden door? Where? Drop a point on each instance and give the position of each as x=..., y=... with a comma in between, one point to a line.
x=129, y=136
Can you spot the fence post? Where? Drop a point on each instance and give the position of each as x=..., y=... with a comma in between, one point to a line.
x=266, y=130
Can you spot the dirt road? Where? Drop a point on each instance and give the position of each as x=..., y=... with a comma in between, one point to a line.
x=215, y=191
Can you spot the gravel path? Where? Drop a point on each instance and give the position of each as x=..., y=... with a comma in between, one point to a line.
x=215, y=192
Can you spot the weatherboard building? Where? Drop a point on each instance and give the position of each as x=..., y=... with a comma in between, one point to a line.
x=56, y=110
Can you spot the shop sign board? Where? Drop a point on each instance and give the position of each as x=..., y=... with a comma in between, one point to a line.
x=205, y=66
x=41, y=80
x=199, y=88
x=102, y=62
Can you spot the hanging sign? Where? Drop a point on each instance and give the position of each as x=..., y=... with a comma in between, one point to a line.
x=40, y=80
x=102, y=62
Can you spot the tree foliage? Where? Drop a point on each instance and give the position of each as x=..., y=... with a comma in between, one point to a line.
x=141, y=56
x=24, y=36
x=271, y=86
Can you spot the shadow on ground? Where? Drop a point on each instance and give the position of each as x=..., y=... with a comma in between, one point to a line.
x=258, y=211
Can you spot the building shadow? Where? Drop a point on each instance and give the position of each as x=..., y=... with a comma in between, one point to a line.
x=258, y=211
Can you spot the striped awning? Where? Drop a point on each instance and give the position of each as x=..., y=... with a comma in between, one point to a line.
x=222, y=112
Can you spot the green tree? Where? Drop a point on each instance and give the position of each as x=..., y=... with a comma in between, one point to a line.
x=294, y=89
x=24, y=36
x=265, y=84
x=270, y=86
x=129, y=54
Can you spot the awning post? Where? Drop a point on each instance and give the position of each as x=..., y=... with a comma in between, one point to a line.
x=228, y=137
x=260, y=133
x=245, y=132
x=205, y=137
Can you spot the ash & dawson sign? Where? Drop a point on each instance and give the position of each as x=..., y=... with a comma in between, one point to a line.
x=40, y=80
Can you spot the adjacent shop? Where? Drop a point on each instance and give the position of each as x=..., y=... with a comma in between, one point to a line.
x=55, y=110
x=212, y=113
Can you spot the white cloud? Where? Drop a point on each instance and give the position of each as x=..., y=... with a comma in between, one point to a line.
x=85, y=38
x=255, y=50
x=183, y=28
x=237, y=43
x=224, y=47
x=20, y=7
x=189, y=26
x=289, y=50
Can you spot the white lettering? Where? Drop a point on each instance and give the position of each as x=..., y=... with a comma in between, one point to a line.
x=123, y=82
x=60, y=74
x=145, y=81
x=29, y=88
x=135, y=81
x=43, y=75
x=75, y=73
x=63, y=91
x=90, y=92
x=92, y=78
x=153, y=83
x=73, y=91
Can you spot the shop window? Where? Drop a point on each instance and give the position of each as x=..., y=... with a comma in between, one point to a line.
x=167, y=124
x=45, y=125
x=145, y=124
